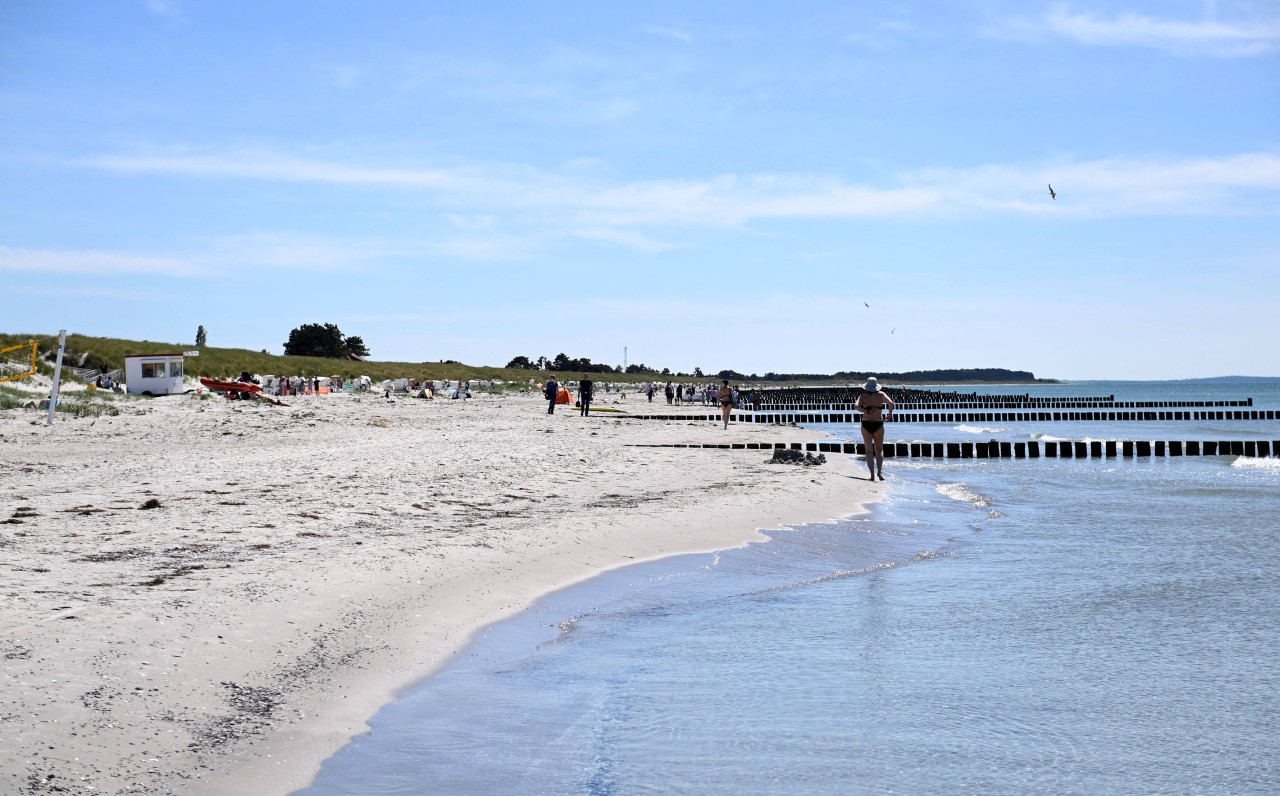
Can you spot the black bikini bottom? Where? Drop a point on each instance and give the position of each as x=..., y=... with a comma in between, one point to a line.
x=872, y=425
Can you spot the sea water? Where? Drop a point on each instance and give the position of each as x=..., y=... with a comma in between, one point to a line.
x=1051, y=626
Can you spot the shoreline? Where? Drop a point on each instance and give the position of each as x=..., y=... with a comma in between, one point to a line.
x=309, y=563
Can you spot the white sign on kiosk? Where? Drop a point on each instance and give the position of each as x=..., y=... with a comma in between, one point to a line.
x=153, y=374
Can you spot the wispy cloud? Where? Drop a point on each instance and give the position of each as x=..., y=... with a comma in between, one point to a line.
x=628, y=238
x=669, y=33
x=220, y=256
x=286, y=250
x=882, y=36
x=1210, y=36
x=484, y=202
x=1243, y=184
x=270, y=166
x=90, y=262
x=115, y=294
x=168, y=9
x=346, y=76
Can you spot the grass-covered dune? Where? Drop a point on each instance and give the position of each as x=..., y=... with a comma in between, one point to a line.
x=93, y=352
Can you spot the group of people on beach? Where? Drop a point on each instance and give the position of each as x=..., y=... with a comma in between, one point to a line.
x=874, y=403
x=677, y=394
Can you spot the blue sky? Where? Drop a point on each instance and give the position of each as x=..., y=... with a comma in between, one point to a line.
x=720, y=185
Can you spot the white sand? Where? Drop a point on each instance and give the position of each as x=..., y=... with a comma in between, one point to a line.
x=306, y=563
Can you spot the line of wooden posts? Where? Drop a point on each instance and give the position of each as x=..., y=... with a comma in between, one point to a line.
x=1035, y=449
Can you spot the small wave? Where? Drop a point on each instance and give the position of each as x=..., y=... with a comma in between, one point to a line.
x=571, y=623
x=1271, y=463
x=979, y=429
x=1050, y=438
x=837, y=575
x=964, y=494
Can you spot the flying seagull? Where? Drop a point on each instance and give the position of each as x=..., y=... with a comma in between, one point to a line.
x=1052, y=194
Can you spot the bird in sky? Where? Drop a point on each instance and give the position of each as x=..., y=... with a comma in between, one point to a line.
x=894, y=329
x=1052, y=193
x=865, y=304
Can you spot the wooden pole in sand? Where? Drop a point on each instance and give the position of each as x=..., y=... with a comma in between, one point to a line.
x=57, y=376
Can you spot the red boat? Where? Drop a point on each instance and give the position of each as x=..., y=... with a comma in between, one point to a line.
x=232, y=389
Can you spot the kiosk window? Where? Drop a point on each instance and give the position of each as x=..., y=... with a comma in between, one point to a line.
x=153, y=370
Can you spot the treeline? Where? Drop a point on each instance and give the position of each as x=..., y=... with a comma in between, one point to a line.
x=920, y=376
x=564, y=363
x=567, y=364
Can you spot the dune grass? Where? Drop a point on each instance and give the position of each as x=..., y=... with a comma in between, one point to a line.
x=93, y=352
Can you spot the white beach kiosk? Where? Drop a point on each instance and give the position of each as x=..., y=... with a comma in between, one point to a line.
x=153, y=374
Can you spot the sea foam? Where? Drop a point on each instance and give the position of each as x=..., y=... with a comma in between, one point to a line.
x=1050, y=438
x=964, y=494
x=1271, y=463
x=979, y=429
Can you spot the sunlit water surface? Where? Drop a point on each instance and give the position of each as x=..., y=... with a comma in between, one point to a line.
x=1050, y=626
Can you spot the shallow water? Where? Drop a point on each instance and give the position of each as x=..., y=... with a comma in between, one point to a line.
x=1013, y=626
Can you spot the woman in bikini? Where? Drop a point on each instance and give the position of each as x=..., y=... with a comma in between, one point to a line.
x=872, y=404
x=725, y=396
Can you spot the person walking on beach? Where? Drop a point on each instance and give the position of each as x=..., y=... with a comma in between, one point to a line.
x=726, y=401
x=586, y=390
x=552, y=391
x=670, y=393
x=872, y=404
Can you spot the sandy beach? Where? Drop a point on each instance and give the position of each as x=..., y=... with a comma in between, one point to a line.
x=300, y=565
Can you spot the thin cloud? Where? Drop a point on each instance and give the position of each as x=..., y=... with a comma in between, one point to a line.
x=1241, y=184
x=471, y=223
x=281, y=251
x=92, y=262
x=882, y=37
x=1211, y=37
x=267, y=166
x=784, y=306
x=163, y=8
x=627, y=238
x=558, y=204
x=115, y=294
x=669, y=33
x=293, y=251
x=346, y=77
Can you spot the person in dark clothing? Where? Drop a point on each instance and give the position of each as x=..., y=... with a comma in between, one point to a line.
x=586, y=390
x=552, y=392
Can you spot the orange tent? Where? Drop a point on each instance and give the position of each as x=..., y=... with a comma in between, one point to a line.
x=562, y=397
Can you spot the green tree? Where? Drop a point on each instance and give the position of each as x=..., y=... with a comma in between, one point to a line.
x=522, y=362
x=316, y=340
x=202, y=337
x=355, y=345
